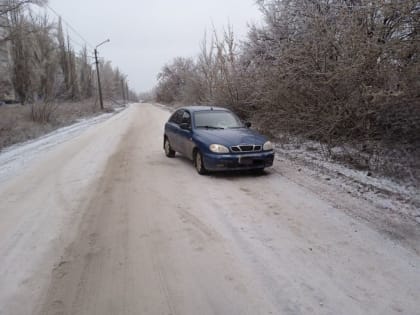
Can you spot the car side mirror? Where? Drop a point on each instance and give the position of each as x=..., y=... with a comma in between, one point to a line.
x=185, y=126
x=248, y=124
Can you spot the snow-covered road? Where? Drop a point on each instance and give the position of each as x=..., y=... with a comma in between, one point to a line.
x=101, y=222
x=14, y=159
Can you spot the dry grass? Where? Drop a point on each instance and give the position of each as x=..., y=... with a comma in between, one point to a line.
x=17, y=123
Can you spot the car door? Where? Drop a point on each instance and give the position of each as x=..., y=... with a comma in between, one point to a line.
x=186, y=135
x=173, y=130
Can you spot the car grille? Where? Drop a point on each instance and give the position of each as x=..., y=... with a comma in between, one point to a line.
x=246, y=148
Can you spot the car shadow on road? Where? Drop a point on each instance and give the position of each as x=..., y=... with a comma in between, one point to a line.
x=231, y=175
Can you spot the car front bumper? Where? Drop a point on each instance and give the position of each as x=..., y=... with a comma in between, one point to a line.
x=248, y=161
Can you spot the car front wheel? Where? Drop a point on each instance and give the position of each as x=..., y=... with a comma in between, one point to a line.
x=199, y=165
x=168, y=150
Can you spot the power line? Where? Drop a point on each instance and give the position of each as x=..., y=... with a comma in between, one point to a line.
x=69, y=38
x=81, y=46
x=69, y=26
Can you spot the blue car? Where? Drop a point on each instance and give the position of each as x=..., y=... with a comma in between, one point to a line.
x=216, y=140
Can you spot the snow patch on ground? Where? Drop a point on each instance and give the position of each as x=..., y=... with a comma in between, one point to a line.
x=381, y=191
x=14, y=159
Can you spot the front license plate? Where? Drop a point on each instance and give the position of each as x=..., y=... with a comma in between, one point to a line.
x=246, y=161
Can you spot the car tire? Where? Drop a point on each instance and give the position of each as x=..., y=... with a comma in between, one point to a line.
x=168, y=149
x=199, y=164
x=259, y=171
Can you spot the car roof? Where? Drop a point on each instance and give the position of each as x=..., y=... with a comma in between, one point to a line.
x=192, y=109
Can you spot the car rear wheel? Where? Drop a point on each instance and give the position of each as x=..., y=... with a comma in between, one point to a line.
x=168, y=150
x=198, y=162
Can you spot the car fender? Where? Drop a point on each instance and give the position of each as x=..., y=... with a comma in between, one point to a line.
x=198, y=145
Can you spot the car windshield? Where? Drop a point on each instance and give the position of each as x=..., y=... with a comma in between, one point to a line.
x=216, y=120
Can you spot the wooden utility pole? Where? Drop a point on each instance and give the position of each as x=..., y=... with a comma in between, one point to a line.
x=97, y=72
x=99, y=80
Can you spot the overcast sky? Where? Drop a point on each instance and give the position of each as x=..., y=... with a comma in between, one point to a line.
x=146, y=34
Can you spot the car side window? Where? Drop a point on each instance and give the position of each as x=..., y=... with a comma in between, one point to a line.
x=172, y=119
x=186, y=118
x=177, y=117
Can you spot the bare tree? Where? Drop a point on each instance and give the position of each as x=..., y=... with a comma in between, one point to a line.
x=179, y=82
x=22, y=56
x=85, y=75
x=206, y=66
x=45, y=58
x=8, y=6
x=74, y=93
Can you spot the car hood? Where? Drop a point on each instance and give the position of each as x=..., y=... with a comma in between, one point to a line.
x=230, y=137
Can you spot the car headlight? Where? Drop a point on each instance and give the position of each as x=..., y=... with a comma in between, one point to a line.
x=268, y=146
x=218, y=148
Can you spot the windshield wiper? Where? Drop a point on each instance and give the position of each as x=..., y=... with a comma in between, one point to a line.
x=210, y=127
